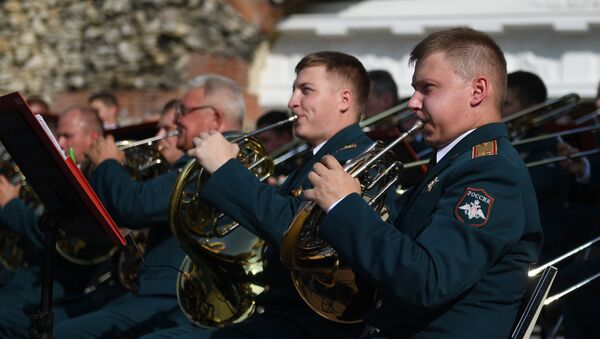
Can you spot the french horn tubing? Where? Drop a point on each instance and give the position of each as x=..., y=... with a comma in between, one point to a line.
x=220, y=281
x=328, y=285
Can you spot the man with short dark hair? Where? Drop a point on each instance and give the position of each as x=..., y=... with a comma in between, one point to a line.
x=328, y=97
x=107, y=107
x=276, y=137
x=454, y=263
x=524, y=89
x=383, y=93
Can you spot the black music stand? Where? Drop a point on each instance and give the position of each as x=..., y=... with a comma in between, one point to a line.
x=67, y=196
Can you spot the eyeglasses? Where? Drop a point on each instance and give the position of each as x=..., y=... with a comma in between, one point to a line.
x=183, y=111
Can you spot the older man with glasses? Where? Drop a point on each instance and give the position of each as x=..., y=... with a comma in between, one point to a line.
x=212, y=103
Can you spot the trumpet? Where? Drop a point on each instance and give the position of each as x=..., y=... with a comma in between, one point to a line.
x=533, y=117
x=328, y=286
x=142, y=158
x=219, y=277
x=126, y=144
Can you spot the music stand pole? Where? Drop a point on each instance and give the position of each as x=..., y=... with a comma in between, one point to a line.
x=42, y=322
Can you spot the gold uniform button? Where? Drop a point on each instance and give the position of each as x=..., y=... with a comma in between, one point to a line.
x=260, y=309
x=296, y=192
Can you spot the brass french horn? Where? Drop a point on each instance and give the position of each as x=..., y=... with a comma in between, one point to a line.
x=327, y=284
x=143, y=161
x=220, y=281
x=12, y=253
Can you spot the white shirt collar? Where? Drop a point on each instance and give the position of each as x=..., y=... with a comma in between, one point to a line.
x=318, y=147
x=444, y=150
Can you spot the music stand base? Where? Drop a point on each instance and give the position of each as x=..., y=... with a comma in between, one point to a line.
x=42, y=321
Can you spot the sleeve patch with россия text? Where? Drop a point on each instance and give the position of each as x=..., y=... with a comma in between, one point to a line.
x=474, y=207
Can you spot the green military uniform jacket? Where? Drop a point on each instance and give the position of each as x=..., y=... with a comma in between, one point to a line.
x=454, y=263
x=267, y=211
x=139, y=205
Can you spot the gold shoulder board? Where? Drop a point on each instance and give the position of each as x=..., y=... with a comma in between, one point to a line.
x=484, y=149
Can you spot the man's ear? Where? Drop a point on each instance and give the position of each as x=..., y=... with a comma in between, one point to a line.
x=218, y=120
x=480, y=88
x=345, y=102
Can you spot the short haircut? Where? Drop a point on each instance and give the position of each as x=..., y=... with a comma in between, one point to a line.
x=272, y=117
x=529, y=88
x=223, y=94
x=108, y=99
x=382, y=82
x=37, y=100
x=345, y=67
x=88, y=118
x=471, y=52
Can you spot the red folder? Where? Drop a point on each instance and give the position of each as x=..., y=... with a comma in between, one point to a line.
x=56, y=179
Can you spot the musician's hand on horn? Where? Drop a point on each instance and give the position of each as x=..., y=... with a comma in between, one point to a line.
x=104, y=148
x=330, y=183
x=212, y=150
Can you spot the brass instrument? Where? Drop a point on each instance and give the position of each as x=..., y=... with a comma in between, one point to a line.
x=397, y=114
x=74, y=250
x=551, y=265
x=143, y=161
x=297, y=147
x=557, y=260
x=328, y=285
x=79, y=251
x=219, y=280
x=12, y=253
x=131, y=257
x=142, y=158
x=542, y=137
x=535, y=116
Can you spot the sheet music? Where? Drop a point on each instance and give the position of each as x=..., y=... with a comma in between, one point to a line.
x=42, y=122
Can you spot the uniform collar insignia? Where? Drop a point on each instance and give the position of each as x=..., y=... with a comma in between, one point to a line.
x=484, y=149
x=431, y=184
x=347, y=147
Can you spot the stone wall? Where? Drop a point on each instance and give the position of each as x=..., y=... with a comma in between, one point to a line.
x=143, y=50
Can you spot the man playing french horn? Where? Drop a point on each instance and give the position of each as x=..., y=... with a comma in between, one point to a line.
x=139, y=205
x=328, y=97
x=454, y=263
